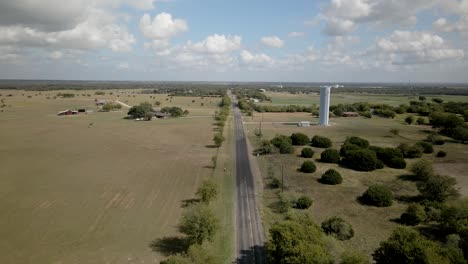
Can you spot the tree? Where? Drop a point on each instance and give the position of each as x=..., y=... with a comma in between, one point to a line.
x=286, y=148
x=157, y=103
x=330, y=156
x=297, y=242
x=307, y=153
x=420, y=121
x=446, y=122
x=427, y=147
x=422, y=98
x=441, y=154
x=353, y=257
x=218, y=139
x=299, y=139
x=308, y=166
x=391, y=157
x=137, y=112
x=360, y=142
x=438, y=188
x=207, y=191
x=414, y=215
x=378, y=195
x=173, y=111
x=277, y=140
x=361, y=160
x=195, y=255
x=199, y=224
x=422, y=170
x=304, y=202
x=337, y=227
x=410, y=152
x=321, y=142
x=407, y=246
x=409, y=119
x=460, y=133
x=331, y=177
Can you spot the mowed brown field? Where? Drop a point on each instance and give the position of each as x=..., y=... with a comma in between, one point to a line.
x=371, y=224
x=96, y=188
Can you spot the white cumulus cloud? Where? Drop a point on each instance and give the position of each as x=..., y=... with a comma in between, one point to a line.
x=217, y=44
x=162, y=26
x=272, y=41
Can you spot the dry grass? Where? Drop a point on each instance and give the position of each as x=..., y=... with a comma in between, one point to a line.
x=371, y=224
x=72, y=192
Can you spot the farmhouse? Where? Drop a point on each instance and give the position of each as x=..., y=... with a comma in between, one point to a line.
x=350, y=114
x=68, y=112
x=303, y=124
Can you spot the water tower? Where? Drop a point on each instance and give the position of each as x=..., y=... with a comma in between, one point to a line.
x=324, y=105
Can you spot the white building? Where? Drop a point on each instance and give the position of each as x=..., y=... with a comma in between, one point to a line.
x=303, y=124
x=324, y=113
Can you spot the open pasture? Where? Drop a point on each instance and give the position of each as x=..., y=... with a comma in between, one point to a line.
x=96, y=188
x=371, y=224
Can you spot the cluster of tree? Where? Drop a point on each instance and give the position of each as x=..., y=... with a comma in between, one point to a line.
x=221, y=117
x=145, y=110
x=450, y=124
x=66, y=95
x=111, y=107
x=199, y=224
x=283, y=108
x=285, y=144
x=100, y=93
x=362, y=108
x=243, y=93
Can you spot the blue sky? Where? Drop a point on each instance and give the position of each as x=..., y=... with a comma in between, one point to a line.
x=208, y=40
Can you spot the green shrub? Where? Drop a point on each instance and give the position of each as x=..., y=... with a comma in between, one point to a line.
x=308, y=166
x=427, y=147
x=307, y=153
x=441, y=154
x=409, y=119
x=420, y=121
x=299, y=139
x=276, y=141
x=330, y=156
x=337, y=227
x=414, y=215
x=366, y=114
x=321, y=142
x=435, y=139
x=331, y=177
x=361, y=160
x=286, y=148
x=438, y=188
x=378, y=195
x=346, y=148
x=363, y=143
x=304, y=202
x=352, y=257
x=410, y=152
x=422, y=170
x=391, y=157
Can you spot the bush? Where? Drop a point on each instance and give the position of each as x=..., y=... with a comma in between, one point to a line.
x=441, y=154
x=351, y=257
x=427, y=147
x=199, y=223
x=308, y=166
x=361, y=160
x=410, y=152
x=409, y=119
x=307, y=153
x=304, y=202
x=414, y=215
x=435, y=139
x=422, y=170
x=299, y=139
x=331, y=177
x=357, y=141
x=266, y=148
x=438, y=188
x=347, y=148
x=321, y=142
x=218, y=139
x=286, y=148
x=276, y=141
x=378, y=195
x=330, y=156
x=207, y=191
x=420, y=121
x=366, y=114
x=391, y=157
x=338, y=228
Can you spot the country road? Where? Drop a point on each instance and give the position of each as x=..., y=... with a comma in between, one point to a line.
x=249, y=229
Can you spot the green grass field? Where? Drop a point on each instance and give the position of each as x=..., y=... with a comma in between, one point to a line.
x=349, y=98
x=371, y=224
x=96, y=188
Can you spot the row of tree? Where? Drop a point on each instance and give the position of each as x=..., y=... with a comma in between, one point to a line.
x=221, y=117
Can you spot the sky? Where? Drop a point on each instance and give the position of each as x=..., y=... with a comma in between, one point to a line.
x=220, y=40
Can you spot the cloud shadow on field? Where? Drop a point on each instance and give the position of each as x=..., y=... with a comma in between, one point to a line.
x=169, y=245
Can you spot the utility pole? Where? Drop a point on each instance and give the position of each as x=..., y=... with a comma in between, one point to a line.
x=282, y=178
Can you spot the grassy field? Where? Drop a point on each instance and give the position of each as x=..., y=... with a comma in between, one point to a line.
x=96, y=188
x=371, y=224
x=349, y=98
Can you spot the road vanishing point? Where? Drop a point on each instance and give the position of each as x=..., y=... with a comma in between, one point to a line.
x=250, y=237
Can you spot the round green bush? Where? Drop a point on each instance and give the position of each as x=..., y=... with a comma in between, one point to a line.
x=308, y=166
x=321, y=142
x=304, y=202
x=414, y=215
x=337, y=227
x=411, y=152
x=378, y=195
x=299, y=139
x=360, y=142
x=286, y=148
x=391, y=157
x=276, y=141
x=441, y=154
x=427, y=147
x=346, y=148
x=330, y=156
x=307, y=153
x=361, y=160
x=331, y=177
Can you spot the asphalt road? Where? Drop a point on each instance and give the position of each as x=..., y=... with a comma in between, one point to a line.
x=249, y=229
